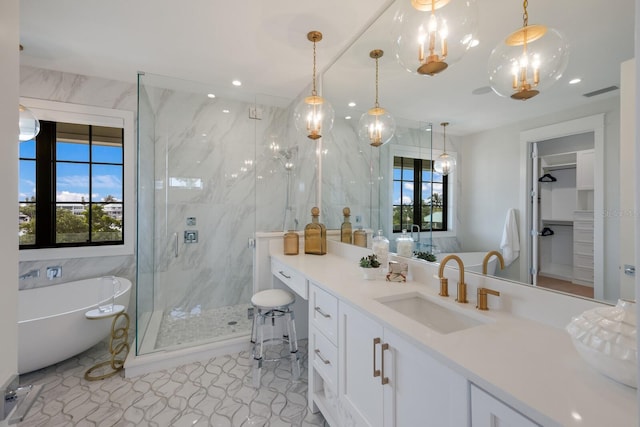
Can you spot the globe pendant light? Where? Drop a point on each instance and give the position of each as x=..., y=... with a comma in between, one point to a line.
x=529, y=60
x=314, y=115
x=445, y=163
x=28, y=124
x=376, y=125
x=430, y=35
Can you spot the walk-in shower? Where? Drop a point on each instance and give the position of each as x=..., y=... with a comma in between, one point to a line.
x=208, y=179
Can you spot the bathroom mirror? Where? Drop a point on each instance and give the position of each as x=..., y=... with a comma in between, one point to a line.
x=485, y=131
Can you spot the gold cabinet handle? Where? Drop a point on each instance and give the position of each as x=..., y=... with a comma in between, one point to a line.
x=325, y=361
x=322, y=313
x=376, y=372
x=384, y=380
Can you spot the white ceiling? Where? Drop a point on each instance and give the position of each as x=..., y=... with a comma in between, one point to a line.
x=264, y=45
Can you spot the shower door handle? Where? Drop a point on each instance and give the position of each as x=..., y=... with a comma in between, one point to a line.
x=175, y=248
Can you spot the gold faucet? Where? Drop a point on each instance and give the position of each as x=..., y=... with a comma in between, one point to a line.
x=488, y=256
x=482, y=297
x=444, y=283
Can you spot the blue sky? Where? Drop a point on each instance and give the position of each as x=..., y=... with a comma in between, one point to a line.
x=72, y=183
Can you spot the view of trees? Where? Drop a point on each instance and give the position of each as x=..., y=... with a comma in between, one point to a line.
x=71, y=227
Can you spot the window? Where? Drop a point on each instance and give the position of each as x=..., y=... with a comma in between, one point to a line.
x=419, y=195
x=76, y=183
x=77, y=199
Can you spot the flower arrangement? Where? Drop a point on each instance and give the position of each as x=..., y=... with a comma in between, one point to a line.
x=370, y=261
x=427, y=256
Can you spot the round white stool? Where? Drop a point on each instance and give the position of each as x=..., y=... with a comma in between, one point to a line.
x=273, y=304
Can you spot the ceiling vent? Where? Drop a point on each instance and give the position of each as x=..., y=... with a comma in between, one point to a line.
x=600, y=91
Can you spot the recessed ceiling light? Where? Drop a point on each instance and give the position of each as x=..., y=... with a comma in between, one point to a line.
x=225, y=111
x=211, y=95
x=352, y=104
x=575, y=81
x=236, y=83
x=347, y=117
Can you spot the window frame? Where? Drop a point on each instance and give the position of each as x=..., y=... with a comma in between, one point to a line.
x=424, y=154
x=96, y=116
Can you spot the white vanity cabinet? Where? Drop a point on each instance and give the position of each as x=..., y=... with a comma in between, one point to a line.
x=487, y=411
x=323, y=353
x=386, y=381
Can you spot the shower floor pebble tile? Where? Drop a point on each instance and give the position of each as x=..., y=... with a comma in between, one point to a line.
x=214, y=393
x=179, y=326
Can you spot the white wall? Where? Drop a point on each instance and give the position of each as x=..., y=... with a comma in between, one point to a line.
x=9, y=59
x=490, y=184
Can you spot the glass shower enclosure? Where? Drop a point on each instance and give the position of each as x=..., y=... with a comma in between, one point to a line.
x=197, y=208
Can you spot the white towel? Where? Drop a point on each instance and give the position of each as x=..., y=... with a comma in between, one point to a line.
x=510, y=243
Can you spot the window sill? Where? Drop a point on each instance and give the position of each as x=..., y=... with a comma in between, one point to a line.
x=79, y=252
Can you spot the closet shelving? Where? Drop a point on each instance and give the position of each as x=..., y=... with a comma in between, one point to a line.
x=566, y=208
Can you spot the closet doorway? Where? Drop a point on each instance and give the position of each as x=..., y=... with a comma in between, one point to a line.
x=564, y=182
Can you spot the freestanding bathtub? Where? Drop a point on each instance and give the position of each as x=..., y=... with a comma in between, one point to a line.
x=472, y=261
x=52, y=325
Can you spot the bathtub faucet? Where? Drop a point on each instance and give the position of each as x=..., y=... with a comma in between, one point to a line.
x=413, y=227
x=30, y=274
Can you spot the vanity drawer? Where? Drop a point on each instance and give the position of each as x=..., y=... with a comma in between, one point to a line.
x=324, y=358
x=323, y=313
x=293, y=279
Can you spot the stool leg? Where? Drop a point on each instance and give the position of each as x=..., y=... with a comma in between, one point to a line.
x=293, y=346
x=258, y=350
x=253, y=325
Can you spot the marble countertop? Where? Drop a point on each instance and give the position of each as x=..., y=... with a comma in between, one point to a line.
x=531, y=366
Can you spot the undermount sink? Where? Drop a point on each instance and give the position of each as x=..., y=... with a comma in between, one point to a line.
x=435, y=316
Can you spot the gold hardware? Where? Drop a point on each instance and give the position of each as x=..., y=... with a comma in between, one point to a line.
x=376, y=372
x=119, y=337
x=462, y=293
x=462, y=287
x=488, y=256
x=482, y=297
x=384, y=380
x=444, y=287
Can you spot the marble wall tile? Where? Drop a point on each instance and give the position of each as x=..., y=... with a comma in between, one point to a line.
x=66, y=87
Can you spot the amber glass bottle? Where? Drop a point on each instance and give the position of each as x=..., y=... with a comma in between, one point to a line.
x=315, y=235
x=345, y=229
x=291, y=243
x=360, y=237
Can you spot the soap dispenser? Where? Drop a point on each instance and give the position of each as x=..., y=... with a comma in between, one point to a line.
x=315, y=235
x=345, y=229
x=404, y=245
